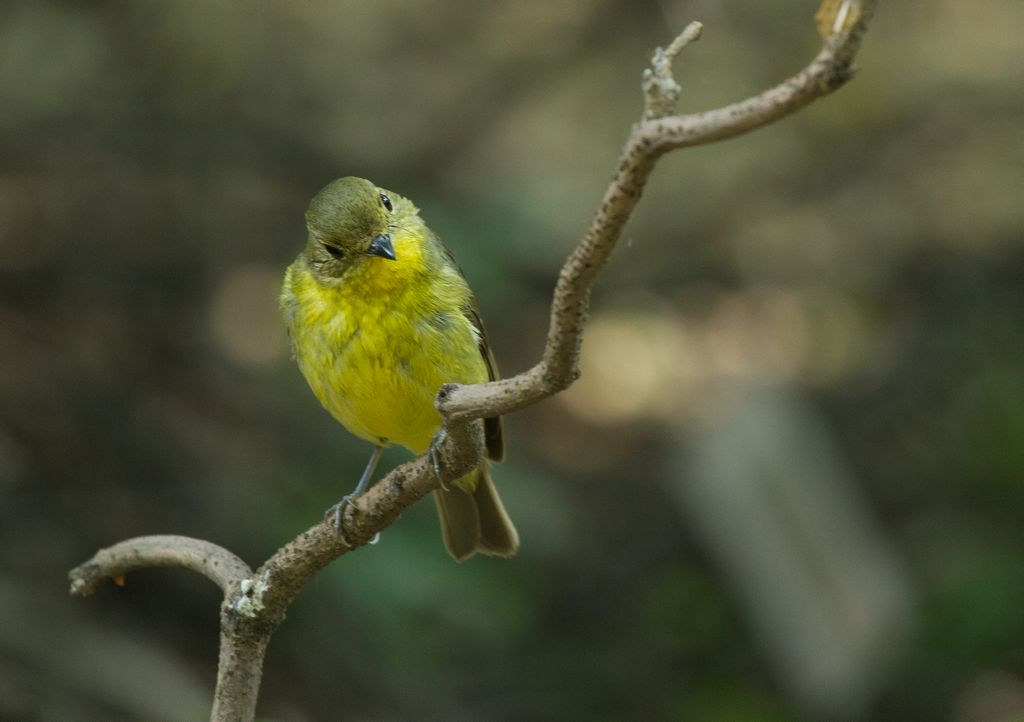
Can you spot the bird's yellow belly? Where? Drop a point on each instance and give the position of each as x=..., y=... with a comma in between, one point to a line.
x=377, y=371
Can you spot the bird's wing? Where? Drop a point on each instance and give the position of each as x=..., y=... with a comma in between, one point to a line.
x=494, y=427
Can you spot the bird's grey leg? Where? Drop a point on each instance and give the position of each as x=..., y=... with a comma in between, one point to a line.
x=364, y=482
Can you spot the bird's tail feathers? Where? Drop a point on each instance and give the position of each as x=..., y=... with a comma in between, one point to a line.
x=475, y=521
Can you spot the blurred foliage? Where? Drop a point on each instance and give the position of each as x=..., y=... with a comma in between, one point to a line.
x=864, y=255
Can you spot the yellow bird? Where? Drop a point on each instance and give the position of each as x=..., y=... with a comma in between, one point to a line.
x=380, y=317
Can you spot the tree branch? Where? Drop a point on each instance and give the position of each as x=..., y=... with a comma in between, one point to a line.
x=648, y=141
x=214, y=562
x=255, y=603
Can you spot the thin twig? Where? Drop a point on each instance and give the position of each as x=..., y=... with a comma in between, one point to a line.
x=659, y=84
x=649, y=140
x=113, y=563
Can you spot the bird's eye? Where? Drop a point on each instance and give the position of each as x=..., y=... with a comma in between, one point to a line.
x=336, y=252
x=386, y=202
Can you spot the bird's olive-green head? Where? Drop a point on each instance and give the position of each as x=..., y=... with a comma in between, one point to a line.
x=347, y=220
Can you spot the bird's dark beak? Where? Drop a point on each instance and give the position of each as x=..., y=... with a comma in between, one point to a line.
x=382, y=246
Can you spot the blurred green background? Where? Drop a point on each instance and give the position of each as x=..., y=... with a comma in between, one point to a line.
x=787, y=487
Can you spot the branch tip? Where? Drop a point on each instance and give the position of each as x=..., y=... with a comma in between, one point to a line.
x=661, y=90
x=690, y=33
x=837, y=16
x=81, y=588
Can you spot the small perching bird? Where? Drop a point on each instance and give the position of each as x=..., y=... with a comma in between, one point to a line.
x=380, y=317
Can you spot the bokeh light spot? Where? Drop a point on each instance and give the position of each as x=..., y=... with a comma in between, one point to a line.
x=244, y=318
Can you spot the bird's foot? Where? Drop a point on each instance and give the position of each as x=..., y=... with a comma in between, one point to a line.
x=336, y=514
x=432, y=453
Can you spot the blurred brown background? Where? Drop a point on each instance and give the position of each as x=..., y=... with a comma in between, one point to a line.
x=787, y=487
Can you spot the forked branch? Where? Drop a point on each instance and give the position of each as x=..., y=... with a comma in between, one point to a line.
x=255, y=603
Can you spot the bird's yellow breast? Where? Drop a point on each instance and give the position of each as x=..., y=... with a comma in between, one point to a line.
x=378, y=342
